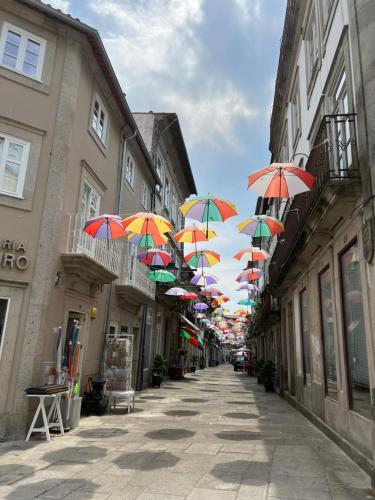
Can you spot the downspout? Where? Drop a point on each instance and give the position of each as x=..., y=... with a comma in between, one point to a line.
x=120, y=181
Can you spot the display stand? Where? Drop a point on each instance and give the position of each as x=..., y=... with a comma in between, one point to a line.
x=41, y=409
x=118, y=364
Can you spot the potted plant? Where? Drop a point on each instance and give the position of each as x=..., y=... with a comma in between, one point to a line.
x=258, y=367
x=158, y=370
x=202, y=362
x=194, y=361
x=268, y=374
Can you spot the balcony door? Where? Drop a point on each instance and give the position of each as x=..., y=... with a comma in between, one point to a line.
x=90, y=206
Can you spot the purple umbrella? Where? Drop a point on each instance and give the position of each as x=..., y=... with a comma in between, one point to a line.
x=201, y=279
x=200, y=306
x=249, y=287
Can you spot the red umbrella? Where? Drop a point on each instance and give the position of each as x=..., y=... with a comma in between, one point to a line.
x=280, y=180
x=189, y=296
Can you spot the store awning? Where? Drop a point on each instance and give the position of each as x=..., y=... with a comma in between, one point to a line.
x=187, y=321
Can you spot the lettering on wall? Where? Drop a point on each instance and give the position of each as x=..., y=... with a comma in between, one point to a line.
x=13, y=255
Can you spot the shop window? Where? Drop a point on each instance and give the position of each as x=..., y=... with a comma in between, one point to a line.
x=355, y=333
x=327, y=325
x=100, y=119
x=14, y=155
x=22, y=51
x=4, y=306
x=306, y=347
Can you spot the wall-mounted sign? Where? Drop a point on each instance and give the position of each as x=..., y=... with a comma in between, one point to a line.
x=13, y=255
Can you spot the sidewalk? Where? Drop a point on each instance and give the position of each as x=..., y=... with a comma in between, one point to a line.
x=214, y=436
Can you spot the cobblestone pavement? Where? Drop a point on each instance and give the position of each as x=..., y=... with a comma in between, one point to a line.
x=215, y=435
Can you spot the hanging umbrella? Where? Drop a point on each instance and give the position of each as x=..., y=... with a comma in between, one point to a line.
x=193, y=234
x=210, y=292
x=252, y=254
x=201, y=279
x=176, y=292
x=161, y=276
x=280, y=180
x=155, y=257
x=147, y=240
x=261, y=225
x=250, y=275
x=189, y=296
x=241, y=312
x=200, y=306
x=147, y=223
x=202, y=258
x=249, y=287
x=208, y=208
x=247, y=302
x=105, y=226
x=220, y=300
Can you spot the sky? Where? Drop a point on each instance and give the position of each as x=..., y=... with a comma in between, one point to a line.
x=214, y=63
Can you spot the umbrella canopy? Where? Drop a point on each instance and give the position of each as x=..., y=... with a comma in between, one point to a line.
x=201, y=279
x=241, y=312
x=194, y=234
x=250, y=275
x=161, y=276
x=220, y=300
x=200, y=306
x=247, y=302
x=147, y=240
x=189, y=296
x=252, y=254
x=202, y=258
x=176, y=292
x=105, y=226
x=261, y=225
x=147, y=223
x=280, y=180
x=210, y=292
x=155, y=257
x=208, y=208
x=248, y=287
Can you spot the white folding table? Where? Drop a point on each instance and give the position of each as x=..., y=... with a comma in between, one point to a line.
x=47, y=424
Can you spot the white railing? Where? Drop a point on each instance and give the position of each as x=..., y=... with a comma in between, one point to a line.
x=105, y=252
x=133, y=273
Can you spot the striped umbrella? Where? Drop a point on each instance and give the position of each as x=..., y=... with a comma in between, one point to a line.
x=155, y=257
x=251, y=254
x=201, y=279
x=250, y=275
x=147, y=240
x=176, y=292
x=249, y=287
x=260, y=225
x=105, y=226
x=147, y=223
x=202, y=258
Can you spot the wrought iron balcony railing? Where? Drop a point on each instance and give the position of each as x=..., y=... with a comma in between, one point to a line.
x=333, y=161
x=134, y=274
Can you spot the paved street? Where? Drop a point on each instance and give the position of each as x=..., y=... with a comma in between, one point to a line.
x=215, y=435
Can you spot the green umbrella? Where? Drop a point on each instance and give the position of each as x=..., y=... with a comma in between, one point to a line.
x=161, y=276
x=247, y=302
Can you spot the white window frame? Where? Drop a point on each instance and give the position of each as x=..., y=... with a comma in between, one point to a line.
x=130, y=179
x=145, y=196
x=101, y=109
x=23, y=166
x=312, y=43
x=25, y=36
x=167, y=193
x=5, y=323
x=295, y=103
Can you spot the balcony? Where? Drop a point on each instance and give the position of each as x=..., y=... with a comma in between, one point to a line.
x=133, y=283
x=96, y=261
x=312, y=216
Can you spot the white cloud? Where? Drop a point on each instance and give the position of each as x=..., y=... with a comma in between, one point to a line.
x=162, y=65
x=63, y=5
x=250, y=10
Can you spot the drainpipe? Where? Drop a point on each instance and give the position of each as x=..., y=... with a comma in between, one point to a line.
x=120, y=182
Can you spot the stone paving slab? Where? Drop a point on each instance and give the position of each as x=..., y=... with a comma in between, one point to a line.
x=214, y=436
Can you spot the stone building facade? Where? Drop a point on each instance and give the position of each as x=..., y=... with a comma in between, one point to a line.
x=322, y=269
x=70, y=149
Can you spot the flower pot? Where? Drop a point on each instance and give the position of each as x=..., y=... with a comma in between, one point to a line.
x=269, y=385
x=156, y=380
x=192, y=369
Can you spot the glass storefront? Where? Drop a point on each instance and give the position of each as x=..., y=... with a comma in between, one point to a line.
x=326, y=308
x=355, y=334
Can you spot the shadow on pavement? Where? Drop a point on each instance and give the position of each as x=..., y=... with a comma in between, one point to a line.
x=169, y=434
x=146, y=460
x=181, y=413
x=76, y=454
x=152, y=398
x=244, y=416
x=238, y=435
x=58, y=488
x=194, y=400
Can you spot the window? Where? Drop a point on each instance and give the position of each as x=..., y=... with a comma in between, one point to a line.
x=325, y=9
x=296, y=113
x=99, y=119
x=90, y=205
x=13, y=163
x=130, y=169
x=312, y=48
x=145, y=196
x=327, y=325
x=306, y=353
x=4, y=305
x=355, y=333
x=284, y=151
x=174, y=207
x=167, y=193
x=22, y=51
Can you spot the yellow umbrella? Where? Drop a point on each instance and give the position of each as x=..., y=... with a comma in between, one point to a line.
x=147, y=223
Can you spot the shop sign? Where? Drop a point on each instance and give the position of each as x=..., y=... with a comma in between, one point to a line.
x=13, y=255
